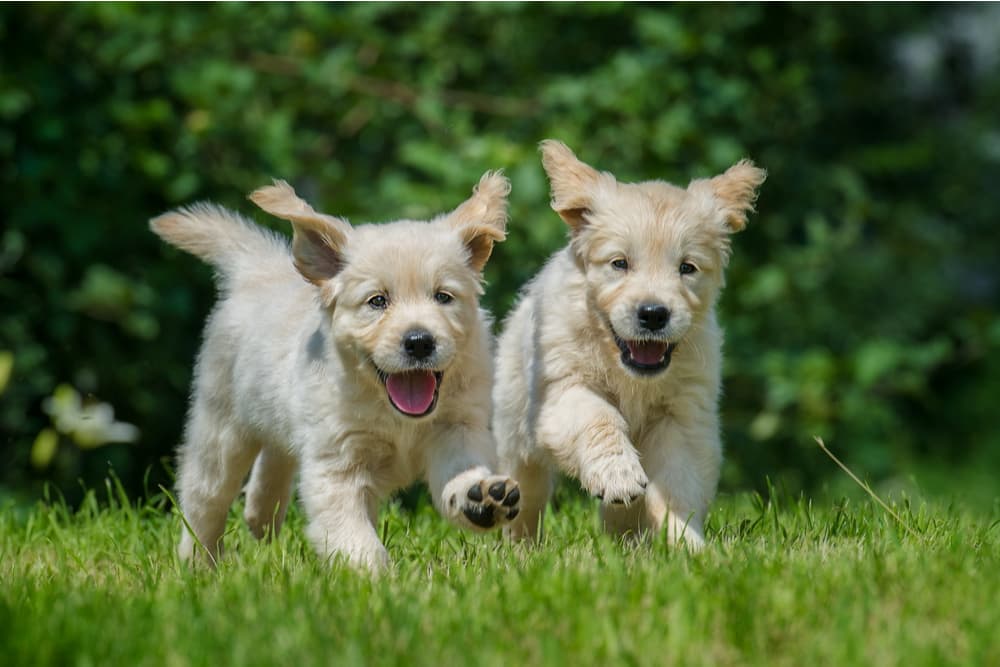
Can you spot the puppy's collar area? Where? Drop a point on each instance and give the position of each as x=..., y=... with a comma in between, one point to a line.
x=414, y=392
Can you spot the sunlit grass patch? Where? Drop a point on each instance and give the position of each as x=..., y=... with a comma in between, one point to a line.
x=784, y=581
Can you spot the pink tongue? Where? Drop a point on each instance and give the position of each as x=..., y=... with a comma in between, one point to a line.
x=412, y=392
x=647, y=353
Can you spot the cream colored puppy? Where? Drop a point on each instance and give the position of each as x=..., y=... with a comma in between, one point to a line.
x=357, y=356
x=609, y=367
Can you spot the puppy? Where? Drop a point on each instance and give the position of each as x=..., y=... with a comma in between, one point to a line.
x=608, y=369
x=358, y=356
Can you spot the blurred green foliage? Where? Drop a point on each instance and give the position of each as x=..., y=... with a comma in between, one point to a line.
x=862, y=299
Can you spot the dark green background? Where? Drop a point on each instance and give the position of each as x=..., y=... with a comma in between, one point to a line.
x=861, y=300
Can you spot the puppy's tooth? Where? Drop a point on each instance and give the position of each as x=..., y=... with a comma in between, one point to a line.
x=476, y=493
x=512, y=497
x=497, y=490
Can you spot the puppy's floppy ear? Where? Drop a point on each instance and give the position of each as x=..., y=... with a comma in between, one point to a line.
x=734, y=192
x=481, y=220
x=573, y=183
x=319, y=239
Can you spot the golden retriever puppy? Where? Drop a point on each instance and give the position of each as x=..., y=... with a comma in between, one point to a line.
x=358, y=356
x=608, y=369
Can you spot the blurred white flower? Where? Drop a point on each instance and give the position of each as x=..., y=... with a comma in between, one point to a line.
x=89, y=425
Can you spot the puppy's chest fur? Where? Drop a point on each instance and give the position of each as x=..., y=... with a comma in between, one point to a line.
x=645, y=403
x=345, y=415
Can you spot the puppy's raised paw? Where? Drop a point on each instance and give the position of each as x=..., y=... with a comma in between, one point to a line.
x=491, y=502
x=616, y=479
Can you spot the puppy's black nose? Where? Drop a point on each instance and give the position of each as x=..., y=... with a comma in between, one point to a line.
x=418, y=343
x=653, y=316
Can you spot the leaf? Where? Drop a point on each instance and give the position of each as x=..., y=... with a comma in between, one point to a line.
x=44, y=448
x=6, y=367
x=875, y=360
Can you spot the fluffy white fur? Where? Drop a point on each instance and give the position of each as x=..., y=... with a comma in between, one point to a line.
x=292, y=372
x=645, y=440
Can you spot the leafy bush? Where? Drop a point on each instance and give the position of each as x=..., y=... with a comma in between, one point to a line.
x=861, y=300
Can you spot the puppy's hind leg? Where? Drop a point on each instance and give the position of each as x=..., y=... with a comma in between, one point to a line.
x=213, y=463
x=625, y=521
x=269, y=491
x=536, y=483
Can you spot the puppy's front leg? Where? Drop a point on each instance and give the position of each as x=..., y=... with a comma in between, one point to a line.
x=462, y=485
x=340, y=496
x=588, y=437
x=683, y=461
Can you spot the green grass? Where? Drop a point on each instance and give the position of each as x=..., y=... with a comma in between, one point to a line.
x=790, y=583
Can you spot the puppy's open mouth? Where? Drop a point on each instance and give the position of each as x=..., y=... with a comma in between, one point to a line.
x=646, y=357
x=414, y=393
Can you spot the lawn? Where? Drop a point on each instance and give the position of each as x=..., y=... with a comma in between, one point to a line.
x=782, y=583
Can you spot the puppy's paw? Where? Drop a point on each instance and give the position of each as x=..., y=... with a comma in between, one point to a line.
x=681, y=532
x=486, y=502
x=617, y=479
x=360, y=550
x=694, y=542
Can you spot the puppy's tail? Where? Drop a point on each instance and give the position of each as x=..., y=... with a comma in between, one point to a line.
x=218, y=236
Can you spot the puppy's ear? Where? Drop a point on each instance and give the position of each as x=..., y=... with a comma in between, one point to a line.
x=319, y=239
x=573, y=183
x=481, y=220
x=733, y=192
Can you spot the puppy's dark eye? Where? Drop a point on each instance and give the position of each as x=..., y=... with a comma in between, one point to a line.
x=378, y=302
x=443, y=297
x=687, y=267
x=619, y=264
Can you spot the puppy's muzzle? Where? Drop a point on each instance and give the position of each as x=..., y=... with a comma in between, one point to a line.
x=414, y=392
x=649, y=353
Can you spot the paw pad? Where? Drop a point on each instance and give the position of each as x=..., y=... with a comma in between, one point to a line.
x=498, y=491
x=491, y=502
x=481, y=515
